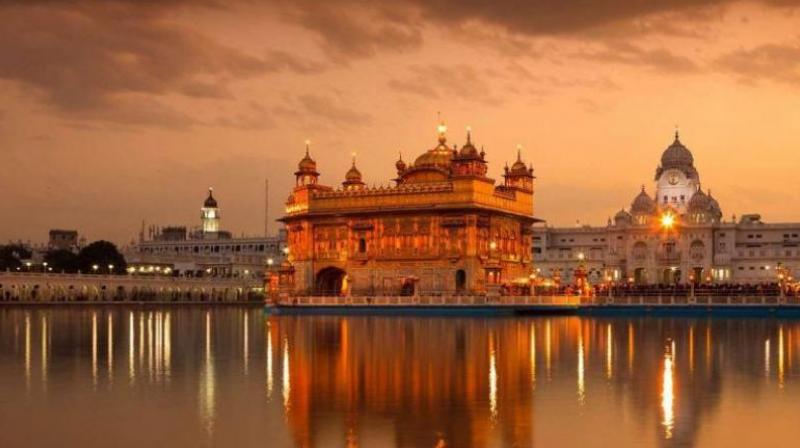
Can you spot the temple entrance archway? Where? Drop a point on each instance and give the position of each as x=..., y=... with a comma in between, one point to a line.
x=461, y=280
x=408, y=287
x=330, y=281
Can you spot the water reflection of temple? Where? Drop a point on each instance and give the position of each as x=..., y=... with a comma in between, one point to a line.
x=425, y=382
x=404, y=381
x=462, y=382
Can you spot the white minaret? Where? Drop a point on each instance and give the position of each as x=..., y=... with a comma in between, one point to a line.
x=210, y=214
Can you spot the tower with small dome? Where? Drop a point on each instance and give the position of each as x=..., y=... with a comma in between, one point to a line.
x=209, y=214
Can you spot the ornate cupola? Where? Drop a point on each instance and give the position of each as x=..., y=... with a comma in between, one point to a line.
x=433, y=165
x=468, y=161
x=306, y=173
x=643, y=207
x=677, y=157
x=209, y=214
x=519, y=176
x=352, y=180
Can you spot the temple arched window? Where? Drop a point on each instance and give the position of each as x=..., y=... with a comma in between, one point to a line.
x=362, y=245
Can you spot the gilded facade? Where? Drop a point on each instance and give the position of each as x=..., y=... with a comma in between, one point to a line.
x=444, y=226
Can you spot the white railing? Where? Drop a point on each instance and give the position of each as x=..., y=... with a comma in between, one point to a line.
x=428, y=301
x=559, y=301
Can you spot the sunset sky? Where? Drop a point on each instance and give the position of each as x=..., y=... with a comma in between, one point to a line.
x=115, y=112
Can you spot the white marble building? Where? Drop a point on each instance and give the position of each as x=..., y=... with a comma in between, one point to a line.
x=205, y=250
x=677, y=234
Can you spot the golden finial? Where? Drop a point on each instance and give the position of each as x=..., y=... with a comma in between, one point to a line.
x=441, y=129
x=519, y=153
x=308, y=144
x=469, y=134
x=354, y=159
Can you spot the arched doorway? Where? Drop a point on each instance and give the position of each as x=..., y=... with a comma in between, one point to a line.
x=461, y=280
x=697, y=275
x=671, y=276
x=640, y=276
x=408, y=287
x=330, y=281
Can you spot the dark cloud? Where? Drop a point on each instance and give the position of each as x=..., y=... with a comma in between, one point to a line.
x=112, y=61
x=253, y=117
x=625, y=53
x=361, y=28
x=774, y=62
x=356, y=29
x=331, y=110
x=440, y=81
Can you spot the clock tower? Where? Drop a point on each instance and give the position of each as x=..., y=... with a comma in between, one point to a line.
x=677, y=180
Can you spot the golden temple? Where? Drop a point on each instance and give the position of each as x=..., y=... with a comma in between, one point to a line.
x=443, y=227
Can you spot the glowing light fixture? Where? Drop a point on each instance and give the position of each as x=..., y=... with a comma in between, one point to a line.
x=667, y=221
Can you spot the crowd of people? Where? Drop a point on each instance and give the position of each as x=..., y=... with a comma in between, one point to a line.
x=666, y=290
x=702, y=289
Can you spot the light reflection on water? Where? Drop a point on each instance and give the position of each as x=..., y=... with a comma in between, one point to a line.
x=235, y=376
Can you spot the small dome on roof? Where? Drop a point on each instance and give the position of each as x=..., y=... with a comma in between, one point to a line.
x=469, y=151
x=643, y=204
x=699, y=203
x=676, y=155
x=400, y=164
x=714, y=205
x=353, y=174
x=622, y=215
x=519, y=168
x=210, y=202
x=307, y=164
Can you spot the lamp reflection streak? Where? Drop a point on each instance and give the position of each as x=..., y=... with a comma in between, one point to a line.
x=286, y=385
x=207, y=382
x=780, y=358
x=609, y=352
x=131, y=347
x=167, y=345
x=269, y=364
x=533, y=356
x=94, y=349
x=668, y=393
x=27, y=350
x=110, y=348
x=547, y=349
x=492, y=380
x=246, y=343
x=766, y=358
x=581, y=369
x=45, y=336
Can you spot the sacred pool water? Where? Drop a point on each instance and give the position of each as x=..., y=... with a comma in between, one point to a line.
x=235, y=376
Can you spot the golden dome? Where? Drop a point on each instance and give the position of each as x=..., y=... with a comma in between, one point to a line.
x=468, y=151
x=353, y=174
x=519, y=167
x=307, y=164
x=439, y=156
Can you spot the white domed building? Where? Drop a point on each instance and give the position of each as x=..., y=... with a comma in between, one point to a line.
x=675, y=235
